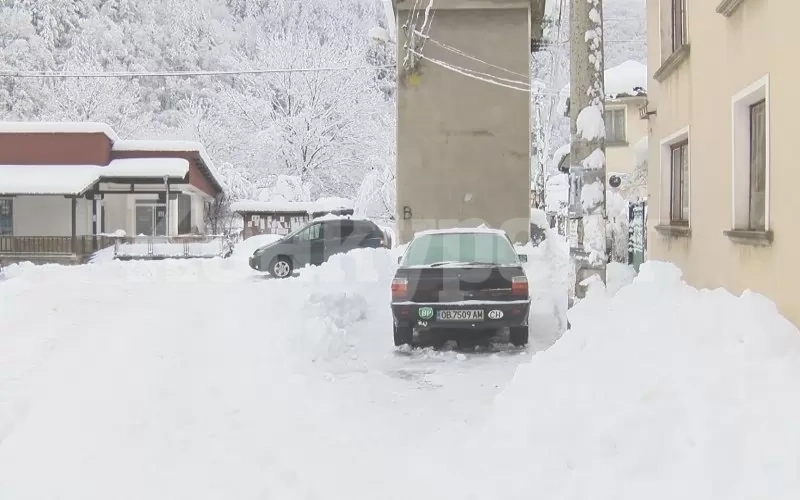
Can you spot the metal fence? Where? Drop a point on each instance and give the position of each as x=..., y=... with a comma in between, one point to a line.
x=172, y=247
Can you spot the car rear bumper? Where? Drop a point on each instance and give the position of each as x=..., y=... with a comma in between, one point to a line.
x=496, y=314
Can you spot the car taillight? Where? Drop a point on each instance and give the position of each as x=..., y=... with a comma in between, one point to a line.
x=519, y=285
x=400, y=288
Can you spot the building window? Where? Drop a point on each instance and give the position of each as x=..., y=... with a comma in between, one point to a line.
x=150, y=218
x=615, y=125
x=679, y=183
x=751, y=158
x=678, y=24
x=6, y=217
x=185, y=214
x=758, y=166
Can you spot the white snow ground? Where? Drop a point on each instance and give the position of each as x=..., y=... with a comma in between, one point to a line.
x=199, y=380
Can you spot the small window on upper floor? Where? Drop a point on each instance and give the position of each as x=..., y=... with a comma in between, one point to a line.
x=678, y=24
x=679, y=183
x=758, y=166
x=615, y=126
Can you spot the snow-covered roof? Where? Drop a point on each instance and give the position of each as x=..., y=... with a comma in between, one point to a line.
x=322, y=205
x=47, y=179
x=628, y=79
x=77, y=179
x=166, y=145
x=460, y=230
x=146, y=167
x=10, y=127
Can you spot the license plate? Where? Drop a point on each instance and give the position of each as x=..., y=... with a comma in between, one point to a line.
x=460, y=315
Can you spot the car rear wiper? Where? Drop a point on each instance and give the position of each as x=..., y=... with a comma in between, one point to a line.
x=462, y=263
x=445, y=263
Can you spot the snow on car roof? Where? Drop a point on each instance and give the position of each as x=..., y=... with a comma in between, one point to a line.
x=460, y=230
x=330, y=216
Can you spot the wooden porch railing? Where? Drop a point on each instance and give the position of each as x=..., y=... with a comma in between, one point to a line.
x=54, y=245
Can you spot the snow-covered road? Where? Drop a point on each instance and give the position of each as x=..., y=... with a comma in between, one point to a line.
x=197, y=380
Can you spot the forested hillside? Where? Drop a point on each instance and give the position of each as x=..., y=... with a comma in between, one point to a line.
x=331, y=128
x=334, y=130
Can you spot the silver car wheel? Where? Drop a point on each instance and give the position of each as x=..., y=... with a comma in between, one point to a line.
x=281, y=269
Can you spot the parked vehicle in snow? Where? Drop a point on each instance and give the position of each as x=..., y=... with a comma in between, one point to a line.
x=460, y=279
x=315, y=242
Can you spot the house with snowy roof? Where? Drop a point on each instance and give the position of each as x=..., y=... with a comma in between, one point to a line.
x=64, y=187
x=626, y=93
x=723, y=113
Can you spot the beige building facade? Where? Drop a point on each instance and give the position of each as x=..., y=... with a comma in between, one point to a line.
x=464, y=114
x=722, y=114
x=624, y=129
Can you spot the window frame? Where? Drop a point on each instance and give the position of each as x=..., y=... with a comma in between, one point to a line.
x=10, y=203
x=678, y=24
x=762, y=104
x=683, y=177
x=742, y=159
x=624, y=112
x=299, y=237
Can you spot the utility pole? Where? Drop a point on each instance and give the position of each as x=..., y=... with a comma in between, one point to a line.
x=587, y=208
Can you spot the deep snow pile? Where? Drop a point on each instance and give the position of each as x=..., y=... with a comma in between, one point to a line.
x=243, y=250
x=662, y=391
x=346, y=305
x=550, y=275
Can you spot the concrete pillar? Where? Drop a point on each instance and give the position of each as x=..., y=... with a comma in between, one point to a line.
x=463, y=145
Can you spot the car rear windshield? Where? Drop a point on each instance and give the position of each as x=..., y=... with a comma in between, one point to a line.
x=460, y=248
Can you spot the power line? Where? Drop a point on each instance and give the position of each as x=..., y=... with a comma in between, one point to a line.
x=560, y=42
x=485, y=77
x=464, y=54
x=134, y=74
x=465, y=72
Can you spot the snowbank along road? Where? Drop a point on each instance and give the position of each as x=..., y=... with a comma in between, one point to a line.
x=195, y=380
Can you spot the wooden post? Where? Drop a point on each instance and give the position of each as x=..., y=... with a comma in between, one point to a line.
x=94, y=224
x=166, y=207
x=74, y=207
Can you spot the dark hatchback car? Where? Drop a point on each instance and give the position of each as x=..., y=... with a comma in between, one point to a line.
x=315, y=243
x=461, y=279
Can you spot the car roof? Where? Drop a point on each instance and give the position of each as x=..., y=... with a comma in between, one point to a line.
x=461, y=230
x=333, y=218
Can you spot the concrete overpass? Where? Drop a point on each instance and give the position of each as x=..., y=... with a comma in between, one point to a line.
x=463, y=144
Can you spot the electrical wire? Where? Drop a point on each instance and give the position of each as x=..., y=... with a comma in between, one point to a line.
x=134, y=74
x=464, y=54
x=466, y=72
